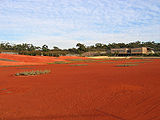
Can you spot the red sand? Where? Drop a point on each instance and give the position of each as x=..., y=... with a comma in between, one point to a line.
x=32, y=60
x=99, y=91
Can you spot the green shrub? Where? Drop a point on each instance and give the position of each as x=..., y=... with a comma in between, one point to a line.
x=37, y=72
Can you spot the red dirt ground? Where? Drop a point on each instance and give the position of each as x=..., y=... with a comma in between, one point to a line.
x=99, y=91
x=32, y=60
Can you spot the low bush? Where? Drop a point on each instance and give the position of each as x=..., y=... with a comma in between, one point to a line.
x=37, y=72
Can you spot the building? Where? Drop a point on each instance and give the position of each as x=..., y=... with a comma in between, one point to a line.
x=132, y=51
x=142, y=50
x=120, y=51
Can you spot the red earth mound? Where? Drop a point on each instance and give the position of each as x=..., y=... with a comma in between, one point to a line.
x=98, y=91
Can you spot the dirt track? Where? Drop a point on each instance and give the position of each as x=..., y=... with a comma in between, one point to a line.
x=99, y=91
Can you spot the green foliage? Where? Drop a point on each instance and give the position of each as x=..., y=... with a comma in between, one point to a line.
x=81, y=48
x=45, y=48
x=56, y=48
x=29, y=49
x=37, y=72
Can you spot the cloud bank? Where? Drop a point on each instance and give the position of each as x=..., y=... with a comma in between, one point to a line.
x=64, y=23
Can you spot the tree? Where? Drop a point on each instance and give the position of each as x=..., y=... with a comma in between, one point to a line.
x=45, y=48
x=56, y=48
x=81, y=47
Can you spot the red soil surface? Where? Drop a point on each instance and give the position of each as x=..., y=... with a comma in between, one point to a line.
x=32, y=60
x=99, y=91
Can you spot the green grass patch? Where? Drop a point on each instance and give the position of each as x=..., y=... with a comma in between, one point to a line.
x=79, y=65
x=15, y=65
x=37, y=72
x=74, y=59
x=146, y=58
x=11, y=65
x=59, y=62
x=106, y=62
x=138, y=62
x=25, y=68
x=148, y=61
x=126, y=65
x=82, y=60
x=3, y=89
x=134, y=62
x=8, y=60
x=117, y=59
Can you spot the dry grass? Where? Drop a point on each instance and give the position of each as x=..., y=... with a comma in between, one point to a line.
x=37, y=72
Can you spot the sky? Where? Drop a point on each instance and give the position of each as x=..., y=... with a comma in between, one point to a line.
x=64, y=23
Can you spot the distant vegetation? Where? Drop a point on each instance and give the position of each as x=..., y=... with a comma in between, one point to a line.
x=81, y=49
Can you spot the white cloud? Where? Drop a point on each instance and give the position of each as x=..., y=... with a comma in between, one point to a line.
x=66, y=22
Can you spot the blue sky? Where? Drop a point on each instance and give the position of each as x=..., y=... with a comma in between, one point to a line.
x=64, y=23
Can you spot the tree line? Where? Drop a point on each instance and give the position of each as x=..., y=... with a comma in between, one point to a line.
x=30, y=49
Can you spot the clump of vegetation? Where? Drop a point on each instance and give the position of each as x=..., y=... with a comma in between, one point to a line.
x=92, y=60
x=37, y=72
x=143, y=58
x=79, y=65
x=75, y=59
x=83, y=60
x=126, y=65
x=139, y=62
x=135, y=62
x=8, y=60
x=11, y=65
x=59, y=62
x=25, y=68
x=106, y=62
x=5, y=90
x=148, y=61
